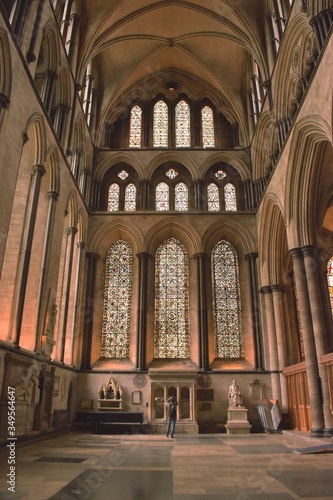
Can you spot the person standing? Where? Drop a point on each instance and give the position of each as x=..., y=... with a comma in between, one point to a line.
x=171, y=405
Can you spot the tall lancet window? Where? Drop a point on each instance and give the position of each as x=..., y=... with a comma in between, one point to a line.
x=207, y=127
x=130, y=198
x=135, y=127
x=162, y=197
x=213, y=198
x=181, y=197
x=160, y=125
x=117, y=301
x=172, y=332
x=226, y=302
x=113, y=197
x=230, y=197
x=183, y=125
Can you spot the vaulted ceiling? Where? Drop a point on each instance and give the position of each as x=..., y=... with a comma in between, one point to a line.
x=140, y=46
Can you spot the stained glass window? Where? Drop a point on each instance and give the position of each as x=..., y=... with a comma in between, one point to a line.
x=117, y=301
x=226, y=302
x=130, y=198
x=123, y=175
x=172, y=334
x=135, y=127
x=161, y=125
x=220, y=175
x=183, y=125
x=181, y=197
x=330, y=281
x=162, y=196
x=113, y=198
x=230, y=197
x=207, y=126
x=171, y=173
x=213, y=198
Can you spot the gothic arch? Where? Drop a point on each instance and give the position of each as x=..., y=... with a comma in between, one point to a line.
x=128, y=158
x=302, y=184
x=115, y=230
x=172, y=227
x=167, y=156
x=264, y=145
x=232, y=231
x=5, y=70
x=227, y=157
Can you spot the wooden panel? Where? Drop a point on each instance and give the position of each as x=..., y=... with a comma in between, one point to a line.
x=298, y=397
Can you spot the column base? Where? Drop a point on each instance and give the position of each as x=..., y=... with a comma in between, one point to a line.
x=316, y=433
x=327, y=432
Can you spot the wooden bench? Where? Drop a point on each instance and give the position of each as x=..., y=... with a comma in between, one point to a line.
x=110, y=420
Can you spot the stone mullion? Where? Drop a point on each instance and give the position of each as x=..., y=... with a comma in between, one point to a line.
x=202, y=312
x=53, y=196
x=198, y=194
x=142, y=311
x=311, y=269
x=311, y=362
x=39, y=171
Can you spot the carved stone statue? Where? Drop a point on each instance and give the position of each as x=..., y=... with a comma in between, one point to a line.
x=234, y=395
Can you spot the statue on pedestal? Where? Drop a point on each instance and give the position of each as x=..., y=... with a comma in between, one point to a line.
x=234, y=395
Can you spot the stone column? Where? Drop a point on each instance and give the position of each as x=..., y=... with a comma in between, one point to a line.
x=39, y=171
x=277, y=294
x=48, y=89
x=272, y=343
x=198, y=194
x=59, y=120
x=308, y=343
x=67, y=288
x=53, y=196
x=312, y=268
x=142, y=311
x=31, y=56
x=74, y=25
x=89, y=311
x=202, y=312
x=144, y=191
x=76, y=323
x=254, y=298
x=247, y=194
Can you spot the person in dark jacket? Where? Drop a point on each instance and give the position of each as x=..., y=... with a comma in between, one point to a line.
x=171, y=405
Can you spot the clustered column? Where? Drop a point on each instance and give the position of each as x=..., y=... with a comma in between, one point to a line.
x=202, y=311
x=142, y=311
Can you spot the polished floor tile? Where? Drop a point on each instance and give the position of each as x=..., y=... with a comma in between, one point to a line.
x=83, y=466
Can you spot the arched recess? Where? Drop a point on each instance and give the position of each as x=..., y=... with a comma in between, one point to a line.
x=22, y=261
x=227, y=157
x=122, y=157
x=308, y=144
x=290, y=62
x=242, y=243
x=264, y=146
x=5, y=73
x=169, y=157
x=66, y=291
x=116, y=230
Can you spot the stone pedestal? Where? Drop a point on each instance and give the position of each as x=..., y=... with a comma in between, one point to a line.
x=237, y=422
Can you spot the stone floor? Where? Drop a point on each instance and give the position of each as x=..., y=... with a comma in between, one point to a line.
x=153, y=467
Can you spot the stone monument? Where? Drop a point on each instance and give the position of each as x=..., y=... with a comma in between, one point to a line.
x=237, y=422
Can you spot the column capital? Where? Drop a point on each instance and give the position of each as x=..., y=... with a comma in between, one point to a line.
x=296, y=253
x=81, y=245
x=266, y=290
x=72, y=230
x=310, y=250
x=277, y=288
x=39, y=169
x=251, y=256
x=200, y=255
x=143, y=255
x=53, y=195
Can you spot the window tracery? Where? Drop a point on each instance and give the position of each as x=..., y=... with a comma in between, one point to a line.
x=230, y=197
x=160, y=125
x=113, y=197
x=172, y=336
x=162, y=197
x=226, y=302
x=117, y=301
x=183, y=125
x=207, y=127
x=213, y=198
x=135, y=127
